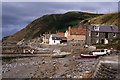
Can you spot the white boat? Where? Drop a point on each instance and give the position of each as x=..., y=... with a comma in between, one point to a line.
x=102, y=52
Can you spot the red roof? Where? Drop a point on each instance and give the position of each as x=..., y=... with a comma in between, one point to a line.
x=64, y=38
x=78, y=31
x=60, y=33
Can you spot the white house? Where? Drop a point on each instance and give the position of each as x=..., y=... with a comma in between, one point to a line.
x=57, y=39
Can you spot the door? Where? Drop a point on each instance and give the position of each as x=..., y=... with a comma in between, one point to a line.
x=102, y=41
x=106, y=35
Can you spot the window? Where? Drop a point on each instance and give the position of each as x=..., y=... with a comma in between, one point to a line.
x=102, y=50
x=106, y=35
x=96, y=27
x=89, y=34
x=75, y=32
x=114, y=35
x=97, y=41
x=97, y=34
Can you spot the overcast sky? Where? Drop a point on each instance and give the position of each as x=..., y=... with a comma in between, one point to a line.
x=17, y=15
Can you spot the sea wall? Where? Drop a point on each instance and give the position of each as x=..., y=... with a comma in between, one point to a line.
x=13, y=49
x=107, y=68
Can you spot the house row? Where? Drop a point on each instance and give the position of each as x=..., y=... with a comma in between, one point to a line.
x=92, y=34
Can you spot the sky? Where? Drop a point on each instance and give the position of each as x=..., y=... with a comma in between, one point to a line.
x=17, y=15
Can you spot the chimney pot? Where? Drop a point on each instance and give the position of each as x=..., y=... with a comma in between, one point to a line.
x=69, y=27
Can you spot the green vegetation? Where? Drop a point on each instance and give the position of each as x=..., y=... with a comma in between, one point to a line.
x=106, y=19
x=56, y=23
x=59, y=23
x=115, y=44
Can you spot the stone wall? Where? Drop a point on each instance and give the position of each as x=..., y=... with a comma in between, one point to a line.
x=13, y=49
x=107, y=68
x=101, y=36
x=88, y=36
x=76, y=45
x=68, y=47
x=106, y=71
x=76, y=37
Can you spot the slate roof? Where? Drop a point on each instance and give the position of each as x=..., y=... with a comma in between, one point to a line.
x=55, y=35
x=58, y=37
x=78, y=31
x=105, y=28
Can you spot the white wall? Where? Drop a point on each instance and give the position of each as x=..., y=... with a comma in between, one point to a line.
x=53, y=42
x=106, y=41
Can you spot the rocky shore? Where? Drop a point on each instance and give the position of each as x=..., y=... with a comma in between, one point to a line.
x=46, y=67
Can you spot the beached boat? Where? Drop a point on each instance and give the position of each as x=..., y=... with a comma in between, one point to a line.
x=58, y=56
x=85, y=59
x=102, y=52
x=89, y=55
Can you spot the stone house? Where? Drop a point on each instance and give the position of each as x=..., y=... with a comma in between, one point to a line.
x=76, y=33
x=101, y=34
x=57, y=39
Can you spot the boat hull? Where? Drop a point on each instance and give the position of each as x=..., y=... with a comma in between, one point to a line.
x=85, y=59
x=89, y=56
x=59, y=56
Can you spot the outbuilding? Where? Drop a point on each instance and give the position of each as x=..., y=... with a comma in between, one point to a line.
x=57, y=39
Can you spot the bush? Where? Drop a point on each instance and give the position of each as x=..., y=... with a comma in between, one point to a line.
x=118, y=45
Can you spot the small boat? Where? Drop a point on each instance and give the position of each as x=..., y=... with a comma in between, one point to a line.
x=89, y=55
x=85, y=59
x=102, y=52
x=58, y=56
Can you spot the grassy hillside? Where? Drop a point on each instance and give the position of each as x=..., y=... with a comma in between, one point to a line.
x=106, y=19
x=51, y=23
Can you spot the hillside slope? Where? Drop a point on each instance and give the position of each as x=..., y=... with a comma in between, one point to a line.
x=106, y=19
x=50, y=23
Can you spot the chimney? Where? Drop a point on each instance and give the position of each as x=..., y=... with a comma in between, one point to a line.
x=116, y=25
x=82, y=25
x=86, y=26
x=69, y=29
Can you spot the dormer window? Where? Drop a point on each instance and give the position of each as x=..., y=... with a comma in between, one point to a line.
x=96, y=28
